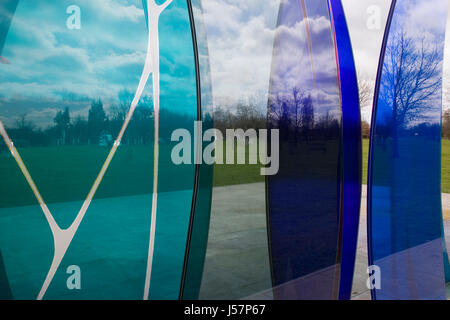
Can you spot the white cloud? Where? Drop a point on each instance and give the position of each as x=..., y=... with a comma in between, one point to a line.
x=240, y=39
x=118, y=9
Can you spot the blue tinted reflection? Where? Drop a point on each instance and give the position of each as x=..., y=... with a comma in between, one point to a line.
x=405, y=218
x=303, y=198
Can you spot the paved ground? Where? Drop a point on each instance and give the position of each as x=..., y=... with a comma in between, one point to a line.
x=237, y=264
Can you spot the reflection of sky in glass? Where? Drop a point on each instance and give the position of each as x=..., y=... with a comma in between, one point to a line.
x=314, y=61
x=63, y=67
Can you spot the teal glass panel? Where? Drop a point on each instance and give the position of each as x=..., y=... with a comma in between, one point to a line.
x=79, y=190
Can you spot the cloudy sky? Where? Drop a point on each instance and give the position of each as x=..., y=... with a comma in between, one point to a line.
x=241, y=34
x=112, y=43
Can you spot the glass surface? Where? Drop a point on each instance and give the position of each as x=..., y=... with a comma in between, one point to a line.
x=240, y=43
x=202, y=210
x=72, y=71
x=351, y=149
x=304, y=197
x=404, y=195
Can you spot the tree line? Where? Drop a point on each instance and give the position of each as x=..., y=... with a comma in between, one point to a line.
x=99, y=127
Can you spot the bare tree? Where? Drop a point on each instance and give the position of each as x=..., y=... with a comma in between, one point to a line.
x=365, y=90
x=411, y=78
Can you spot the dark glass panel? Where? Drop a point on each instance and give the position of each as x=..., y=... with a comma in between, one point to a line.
x=304, y=197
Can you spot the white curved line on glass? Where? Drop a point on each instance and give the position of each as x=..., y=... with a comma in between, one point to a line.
x=154, y=12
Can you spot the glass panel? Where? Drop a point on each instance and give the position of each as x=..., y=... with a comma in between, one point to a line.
x=351, y=149
x=72, y=78
x=240, y=40
x=404, y=196
x=304, y=197
x=203, y=196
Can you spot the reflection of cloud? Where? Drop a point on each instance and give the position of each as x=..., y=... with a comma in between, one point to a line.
x=240, y=38
x=120, y=10
x=294, y=66
x=241, y=34
x=47, y=58
x=50, y=63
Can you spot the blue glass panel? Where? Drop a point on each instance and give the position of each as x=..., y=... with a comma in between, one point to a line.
x=352, y=148
x=404, y=196
x=70, y=87
x=304, y=197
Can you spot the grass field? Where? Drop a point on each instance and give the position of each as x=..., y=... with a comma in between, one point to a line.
x=229, y=175
x=66, y=173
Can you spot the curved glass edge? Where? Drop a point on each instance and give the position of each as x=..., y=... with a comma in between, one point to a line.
x=303, y=199
x=405, y=245
x=201, y=204
x=352, y=148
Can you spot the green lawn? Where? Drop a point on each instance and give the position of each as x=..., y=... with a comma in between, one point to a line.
x=66, y=173
x=239, y=174
x=446, y=166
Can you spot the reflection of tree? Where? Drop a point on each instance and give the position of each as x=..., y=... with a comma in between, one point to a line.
x=81, y=130
x=96, y=120
x=307, y=112
x=295, y=116
x=62, y=121
x=411, y=77
x=245, y=116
